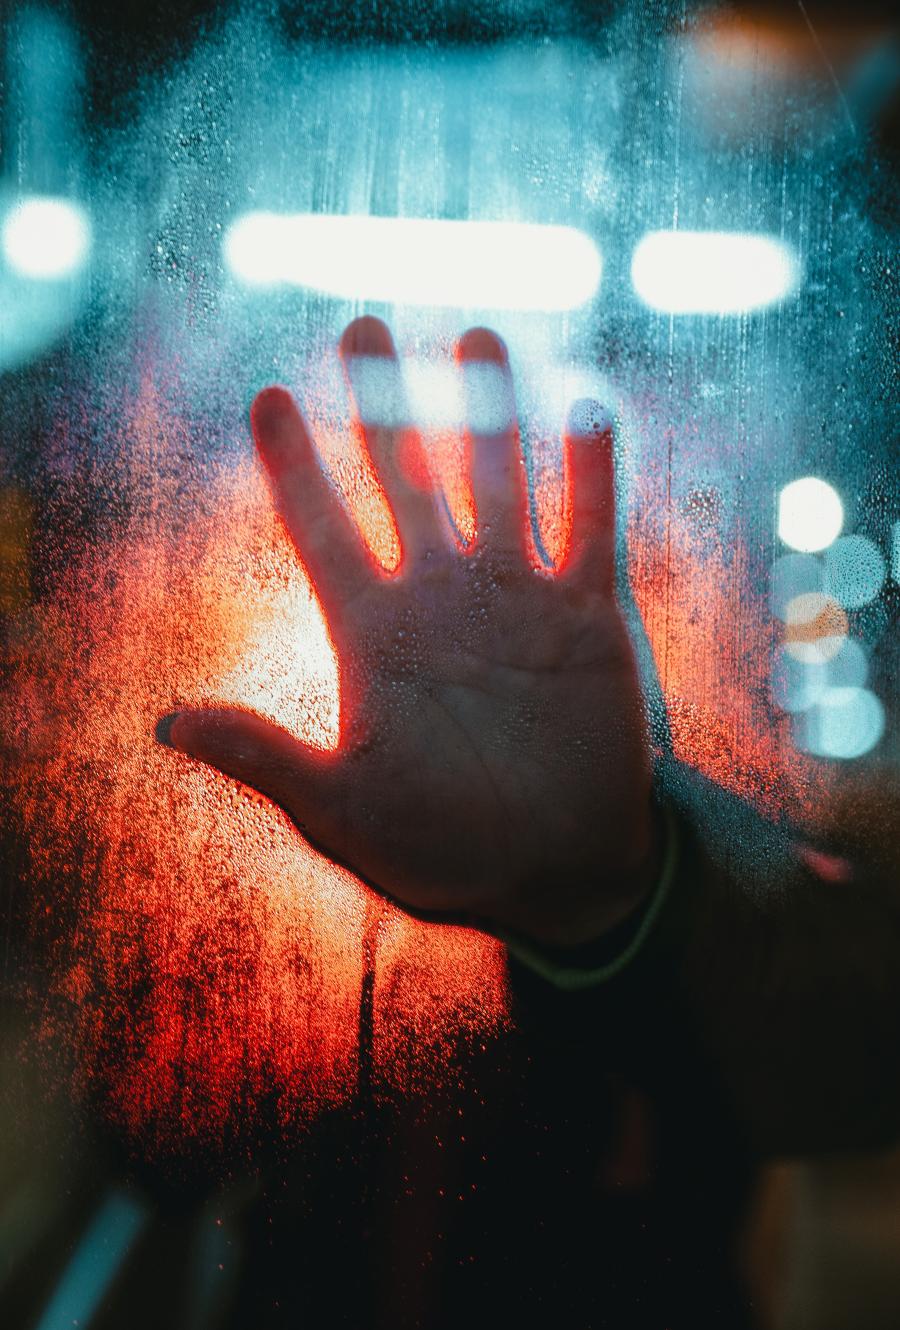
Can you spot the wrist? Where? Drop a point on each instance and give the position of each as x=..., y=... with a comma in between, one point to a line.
x=601, y=903
x=602, y=956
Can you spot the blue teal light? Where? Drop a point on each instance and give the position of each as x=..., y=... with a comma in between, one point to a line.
x=855, y=570
x=44, y=234
x=94, y=1264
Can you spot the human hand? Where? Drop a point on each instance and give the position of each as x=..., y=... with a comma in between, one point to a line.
x=494, y=756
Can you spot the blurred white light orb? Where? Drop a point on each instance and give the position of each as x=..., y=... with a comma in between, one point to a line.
x=712, y=272
x=46, y=238
x=417, y=261
x=844, y=723
x=810, y=514
x=855, y=570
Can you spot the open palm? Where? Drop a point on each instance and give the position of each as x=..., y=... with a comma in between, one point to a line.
x=493, y=756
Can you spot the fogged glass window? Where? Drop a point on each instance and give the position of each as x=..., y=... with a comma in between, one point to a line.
x=677, y=213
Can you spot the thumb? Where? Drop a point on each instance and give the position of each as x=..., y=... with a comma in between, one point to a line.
x=265, y=757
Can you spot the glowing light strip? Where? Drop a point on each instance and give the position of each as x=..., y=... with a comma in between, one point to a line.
x=411, y=261
x=95, y=1263
x=439, y=395
x=712, y=272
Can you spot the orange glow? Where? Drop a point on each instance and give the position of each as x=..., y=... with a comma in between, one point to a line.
x=15, y=537
x=447, y=454
x=207, y=964
x=816, y=627
x=781, y=41
x=347, y=458
x=553, y=503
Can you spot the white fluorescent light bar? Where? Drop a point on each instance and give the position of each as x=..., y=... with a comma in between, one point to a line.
x=712, y=272
x=411, y=261
x=440, y=395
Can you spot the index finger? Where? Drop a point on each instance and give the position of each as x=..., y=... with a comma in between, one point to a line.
x=318, y=522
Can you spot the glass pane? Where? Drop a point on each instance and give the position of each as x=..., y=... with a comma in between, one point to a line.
x=238, y=1071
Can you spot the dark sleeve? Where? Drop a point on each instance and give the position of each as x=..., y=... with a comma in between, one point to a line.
x=762, y=986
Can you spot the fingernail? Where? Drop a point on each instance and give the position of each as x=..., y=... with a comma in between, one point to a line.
x=588, y=418
x=489, y=400
x=378, y=390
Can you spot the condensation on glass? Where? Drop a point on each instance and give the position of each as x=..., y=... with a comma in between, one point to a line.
x=648, y=218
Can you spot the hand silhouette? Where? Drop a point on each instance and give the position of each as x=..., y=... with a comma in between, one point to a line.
x=494, y=757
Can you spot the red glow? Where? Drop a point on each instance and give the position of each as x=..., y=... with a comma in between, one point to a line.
x=210, y=963
x=448, y=463
x=553, y=505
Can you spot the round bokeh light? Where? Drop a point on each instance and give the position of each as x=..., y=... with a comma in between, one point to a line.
x=810, y=514
x=815, y=628
x=45, y=238
x=845, y=723
x=855, y=570
x=797, y=685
